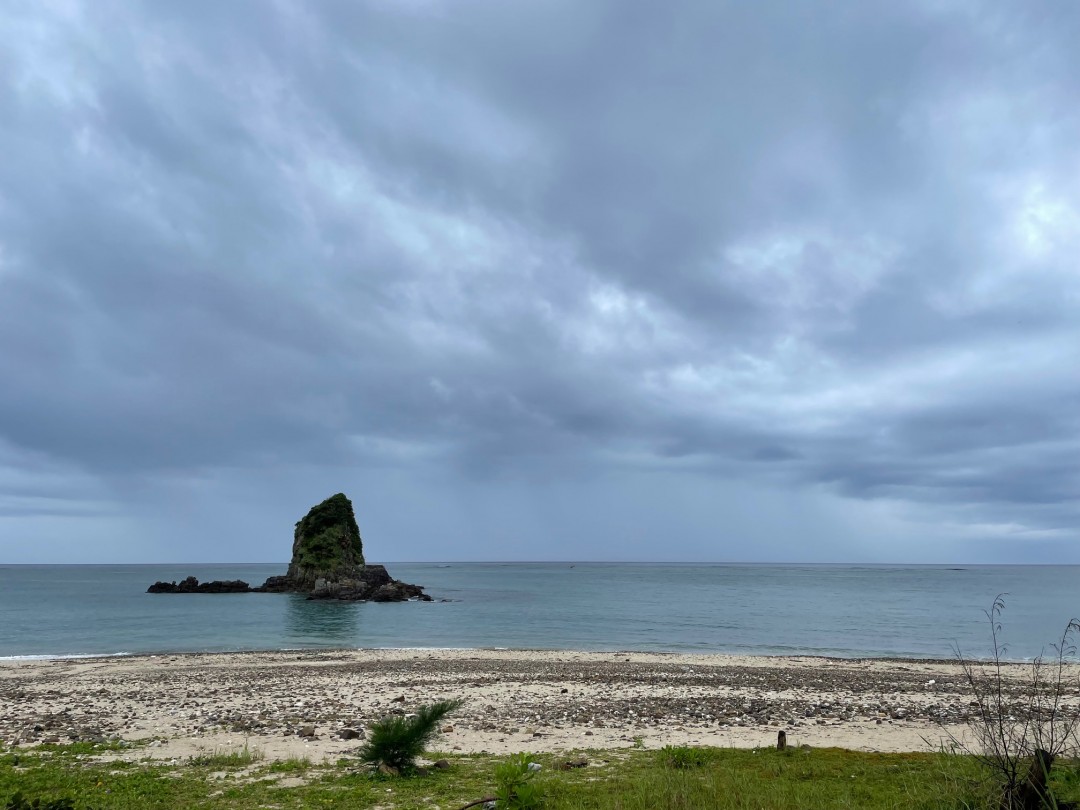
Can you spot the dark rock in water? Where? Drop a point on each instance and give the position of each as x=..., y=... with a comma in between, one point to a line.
x=192, y=585
x=396, y=591
x=327, y=563
x=370, y=583
x=277, y=585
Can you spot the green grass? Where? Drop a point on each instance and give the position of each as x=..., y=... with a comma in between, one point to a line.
x=681, y=756
x=291, y=766
x=614, y=780
x=76, y=749
x=225, y=760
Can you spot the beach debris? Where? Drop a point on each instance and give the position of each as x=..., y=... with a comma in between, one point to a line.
x=781, y=740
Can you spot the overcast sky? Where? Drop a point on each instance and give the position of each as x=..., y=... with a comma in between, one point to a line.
x=571, y=279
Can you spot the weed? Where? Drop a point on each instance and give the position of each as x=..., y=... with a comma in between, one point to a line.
x=232, y=759
x=515, y=785
x=20, y=802
x=1019, y=734
x=290, y=766
x=681, y=756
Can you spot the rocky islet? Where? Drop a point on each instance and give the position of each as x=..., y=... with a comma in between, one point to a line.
x=327, y=563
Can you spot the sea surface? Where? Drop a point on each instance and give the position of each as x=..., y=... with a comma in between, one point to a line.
x=833, y=610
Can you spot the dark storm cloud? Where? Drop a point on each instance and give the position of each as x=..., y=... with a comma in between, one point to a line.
x=825, y=249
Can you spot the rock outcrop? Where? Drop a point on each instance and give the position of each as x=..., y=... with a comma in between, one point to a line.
x=327, y=563
x=192, y=585
x=326, y=545
x=370, y=583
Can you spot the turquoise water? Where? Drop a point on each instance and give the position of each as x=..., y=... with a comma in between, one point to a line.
x=850, y=611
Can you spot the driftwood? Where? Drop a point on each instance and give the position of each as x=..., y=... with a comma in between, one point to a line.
x=478, y=802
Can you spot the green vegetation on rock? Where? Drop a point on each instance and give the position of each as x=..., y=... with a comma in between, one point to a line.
x=327, y=541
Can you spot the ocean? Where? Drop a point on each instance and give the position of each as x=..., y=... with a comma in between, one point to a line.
x=832, y=610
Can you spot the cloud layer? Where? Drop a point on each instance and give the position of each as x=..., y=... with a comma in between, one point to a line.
x=541, y=279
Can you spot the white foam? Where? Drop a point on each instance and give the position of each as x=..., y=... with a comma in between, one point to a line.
x=61, y=656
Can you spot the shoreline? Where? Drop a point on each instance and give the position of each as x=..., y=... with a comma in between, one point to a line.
x=296, y=704
x=718, y=654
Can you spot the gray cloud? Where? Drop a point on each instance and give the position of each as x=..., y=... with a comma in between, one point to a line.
x=716, y=261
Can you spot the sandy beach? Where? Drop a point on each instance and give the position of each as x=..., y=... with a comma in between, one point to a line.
x=300, y=703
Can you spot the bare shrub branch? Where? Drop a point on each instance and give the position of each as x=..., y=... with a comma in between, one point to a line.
x=1022, y=725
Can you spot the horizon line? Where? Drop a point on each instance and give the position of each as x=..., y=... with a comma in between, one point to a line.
x=573, y=562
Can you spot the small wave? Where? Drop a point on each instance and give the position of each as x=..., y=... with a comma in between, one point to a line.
x=423, y=649
x=62, y=656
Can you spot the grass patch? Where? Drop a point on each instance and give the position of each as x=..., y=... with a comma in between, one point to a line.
x=293, y=766
x=797, y=779
x=681, y=756
x=226, y=760
x=86, y=748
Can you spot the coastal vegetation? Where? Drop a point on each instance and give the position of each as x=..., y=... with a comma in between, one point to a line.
x=516, y=785
x=327, y=537
x=1017, y=741
x=624, y=779
x=395, y=742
